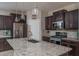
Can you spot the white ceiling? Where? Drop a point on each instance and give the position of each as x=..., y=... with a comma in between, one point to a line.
x=45, y=6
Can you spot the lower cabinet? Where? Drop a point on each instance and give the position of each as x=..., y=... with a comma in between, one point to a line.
x=72, y=44
x=46, y=38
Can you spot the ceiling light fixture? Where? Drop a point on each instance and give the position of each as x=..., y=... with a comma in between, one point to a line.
x=16, y=19
x=22, y=12
x=34, y=12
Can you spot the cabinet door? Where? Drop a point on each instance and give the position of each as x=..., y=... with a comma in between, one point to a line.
x=59, y=15
x=67, y=20
x=48, y=23
x=46, y=39
x=75, y=19
x=25, y=30
x=71, y=20
x=1, y=22
x=7, y=22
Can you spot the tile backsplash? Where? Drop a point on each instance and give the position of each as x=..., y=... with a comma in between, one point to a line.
x=72, y=34
x=5, y=33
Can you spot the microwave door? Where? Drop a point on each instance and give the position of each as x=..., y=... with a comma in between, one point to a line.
x=60, y=25
x=54, y=26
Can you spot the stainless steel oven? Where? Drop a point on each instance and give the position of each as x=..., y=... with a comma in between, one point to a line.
x=57, y=38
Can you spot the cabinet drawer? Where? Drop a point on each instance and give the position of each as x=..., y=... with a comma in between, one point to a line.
x=64, y=43
x=46, y=39
x=67, y=41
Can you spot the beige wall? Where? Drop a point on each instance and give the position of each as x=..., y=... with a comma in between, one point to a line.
x=68, y=8
x=43, y=15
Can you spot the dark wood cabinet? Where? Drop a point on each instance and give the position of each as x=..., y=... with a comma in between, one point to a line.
x=59, y=15
x=1, y=22
x=75, y=18
x=72, y=44
x=6, y=22
x=48, y=22
x=4, y=45
x=67, y=22
x=71, y=19
x=46, y=39
x=25, y=30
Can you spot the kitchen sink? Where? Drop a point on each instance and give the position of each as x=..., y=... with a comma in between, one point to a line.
x=33, y=41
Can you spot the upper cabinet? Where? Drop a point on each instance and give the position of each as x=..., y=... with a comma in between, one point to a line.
x=1, y=22
x=62, y=20
x=6, y=22
x=51, y=22
x=48, y=22
x=71, y=20
x=59, y=15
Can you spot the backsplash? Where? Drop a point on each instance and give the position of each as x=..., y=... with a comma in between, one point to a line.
x=72, y=34
x=5, y=33
x=69, y=33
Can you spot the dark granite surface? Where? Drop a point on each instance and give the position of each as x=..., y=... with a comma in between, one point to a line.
x=33, y=41
x=4, y=45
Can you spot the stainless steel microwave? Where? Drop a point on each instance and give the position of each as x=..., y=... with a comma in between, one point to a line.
x=58, y=25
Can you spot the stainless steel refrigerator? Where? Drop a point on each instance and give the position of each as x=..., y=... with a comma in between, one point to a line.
x=18, y=30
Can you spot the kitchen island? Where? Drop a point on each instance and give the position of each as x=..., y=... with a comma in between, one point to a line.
x=24, y=48
x=5, y=48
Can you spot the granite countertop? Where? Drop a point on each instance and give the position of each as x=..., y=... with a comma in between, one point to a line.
x=1, y=36
x=4, y=45
x=70, y=38
x=24, y=48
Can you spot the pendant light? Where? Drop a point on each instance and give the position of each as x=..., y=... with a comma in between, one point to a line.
x=16, y=19
x=22, y=12
x=34, y=12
